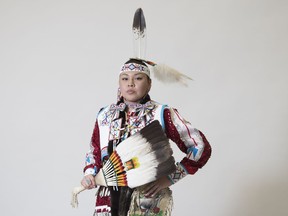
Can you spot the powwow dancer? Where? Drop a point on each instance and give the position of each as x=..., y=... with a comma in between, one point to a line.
x=119, y=122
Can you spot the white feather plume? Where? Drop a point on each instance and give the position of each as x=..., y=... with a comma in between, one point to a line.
x=167, y=74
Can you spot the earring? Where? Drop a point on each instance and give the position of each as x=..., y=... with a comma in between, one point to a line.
x=119, y=94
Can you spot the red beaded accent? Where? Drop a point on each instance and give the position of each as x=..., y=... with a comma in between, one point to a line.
x=102, y=201
x=95, y=143
x=172, y=133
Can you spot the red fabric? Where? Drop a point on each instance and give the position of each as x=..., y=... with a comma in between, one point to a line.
x=95, y=142
x=172, y=133
x=102, y=201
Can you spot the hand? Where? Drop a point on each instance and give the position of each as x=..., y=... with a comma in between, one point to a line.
x=88, y=182
x=154, y=187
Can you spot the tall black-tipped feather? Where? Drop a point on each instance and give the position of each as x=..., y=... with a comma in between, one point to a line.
x=139, y=34
x=139, y=24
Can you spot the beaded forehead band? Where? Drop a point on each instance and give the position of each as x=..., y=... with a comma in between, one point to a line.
x=135, y=67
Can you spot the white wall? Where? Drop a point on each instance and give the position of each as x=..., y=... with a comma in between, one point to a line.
x=58, y=65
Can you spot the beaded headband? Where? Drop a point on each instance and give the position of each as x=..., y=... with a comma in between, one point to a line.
x=135, y=67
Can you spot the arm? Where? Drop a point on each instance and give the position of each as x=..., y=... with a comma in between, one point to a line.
x=93, y=160
x=190, y=141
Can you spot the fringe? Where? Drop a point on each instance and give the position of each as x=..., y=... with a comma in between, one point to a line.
x=102, y=191
x=102, y=210
x=75, y=192
x=120, y=200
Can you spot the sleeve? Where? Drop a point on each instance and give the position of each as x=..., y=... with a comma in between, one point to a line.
x=190, y=141
x=93, y=156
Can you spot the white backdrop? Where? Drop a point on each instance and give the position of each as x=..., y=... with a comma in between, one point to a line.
x=58, y=65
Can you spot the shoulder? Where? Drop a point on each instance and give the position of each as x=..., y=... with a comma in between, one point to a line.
x=102, y=109
x=159, y=105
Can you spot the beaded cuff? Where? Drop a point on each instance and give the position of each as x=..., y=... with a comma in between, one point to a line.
x=178, y=174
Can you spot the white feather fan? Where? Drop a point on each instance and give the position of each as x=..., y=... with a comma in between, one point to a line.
x=138, y=160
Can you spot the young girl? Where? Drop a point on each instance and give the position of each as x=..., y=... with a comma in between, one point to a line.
x=133, y=111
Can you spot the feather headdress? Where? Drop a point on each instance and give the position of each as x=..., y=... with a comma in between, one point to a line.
x=142, y=158
x=162, y=72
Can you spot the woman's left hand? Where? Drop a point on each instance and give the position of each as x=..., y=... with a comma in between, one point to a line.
x=154, y=187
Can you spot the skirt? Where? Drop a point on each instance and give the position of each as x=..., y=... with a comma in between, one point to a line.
x=159, y=205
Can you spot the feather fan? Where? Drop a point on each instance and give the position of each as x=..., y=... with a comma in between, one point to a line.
x=142, y=158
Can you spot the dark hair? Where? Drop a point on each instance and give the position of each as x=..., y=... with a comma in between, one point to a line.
x=137, y=61
x=121, y=198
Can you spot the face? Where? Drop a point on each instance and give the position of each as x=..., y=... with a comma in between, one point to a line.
x=134, y=86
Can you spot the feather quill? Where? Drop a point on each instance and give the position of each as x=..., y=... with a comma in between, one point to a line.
x=139, y=34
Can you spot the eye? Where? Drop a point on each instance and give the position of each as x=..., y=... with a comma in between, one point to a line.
x=124, y=78
x=139, y=78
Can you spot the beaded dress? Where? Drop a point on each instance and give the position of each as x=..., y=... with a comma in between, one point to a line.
x=114, y=124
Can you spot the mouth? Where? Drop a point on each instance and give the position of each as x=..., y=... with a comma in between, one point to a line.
x=130, y=92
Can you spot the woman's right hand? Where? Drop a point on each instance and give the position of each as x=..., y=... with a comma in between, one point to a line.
x=88, y=182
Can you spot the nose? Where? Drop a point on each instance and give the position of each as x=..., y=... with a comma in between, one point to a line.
x=131, y=84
